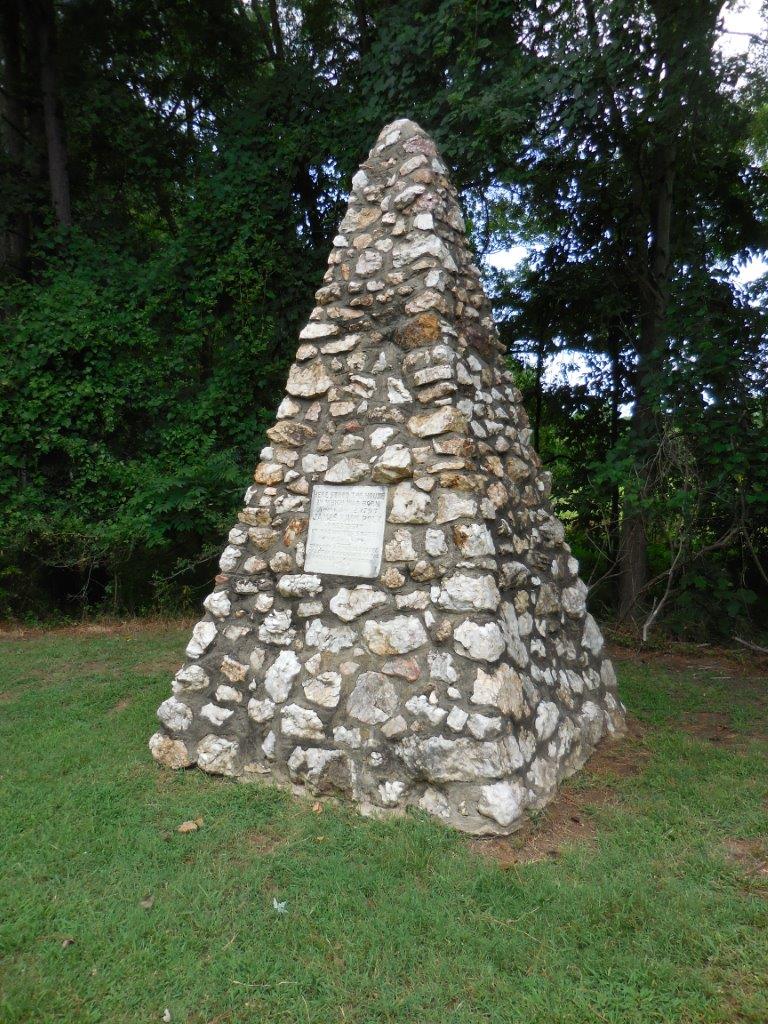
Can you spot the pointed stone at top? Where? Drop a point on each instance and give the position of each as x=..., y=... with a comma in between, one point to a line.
x=398, y=619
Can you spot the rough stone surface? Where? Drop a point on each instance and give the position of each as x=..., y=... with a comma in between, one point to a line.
x=351, y=604
x=468, y=679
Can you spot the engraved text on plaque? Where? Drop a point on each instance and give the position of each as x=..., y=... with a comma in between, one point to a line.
x=346, y=530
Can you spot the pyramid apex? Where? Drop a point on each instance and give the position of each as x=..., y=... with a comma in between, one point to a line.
x=402, y=128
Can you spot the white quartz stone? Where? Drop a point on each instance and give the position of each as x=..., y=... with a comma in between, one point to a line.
x=349, y=604
x=410, y=505
x=303, y=585
x=276, y=628
x=457, y=719
x=216, y=715
x=230, y=557
x=483, y=726
x=441, y=421
x=217, y=604
x=504, y=802
x=502, y=689
x=400, y=635
x=441, y=666
x=473, y=540
x=280, y=676
x=546, y=719
x=420, y=706
x=347, y=471
x=452, y=506
x=306, y=380
x=318, y=330
x=314, y=463
x=440, y=759
x=324, y=690
x=435, y=543
x=175, y=715
x=228, y=695
x=380, y=436
x=592, y=639
x=301, y=723
x=395, y=463
x=373, y=700
x=479, y=642
x=345, y=737
x=192, y=678
x=460, y=593
x=268, y=746
x=400, y=548
x=203, y=636
x=261, y=710
x=397, y=392
x=327, y=638
x=217, y=755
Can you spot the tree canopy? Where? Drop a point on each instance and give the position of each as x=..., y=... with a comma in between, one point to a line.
x=172, y=174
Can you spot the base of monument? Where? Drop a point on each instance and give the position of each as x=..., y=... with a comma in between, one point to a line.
x=478, y=807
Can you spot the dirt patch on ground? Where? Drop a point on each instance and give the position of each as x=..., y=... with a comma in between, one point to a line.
x=567, y=819
x=171, y=664
x=751, y=857
x=728, y=662
x=122, y=627
x=264, y=843
x=122, y=704
x=712, y=726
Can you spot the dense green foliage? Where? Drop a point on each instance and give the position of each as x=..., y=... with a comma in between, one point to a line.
x=108, y=914
x=152, y=291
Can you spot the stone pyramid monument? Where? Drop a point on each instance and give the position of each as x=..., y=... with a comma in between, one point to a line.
x=398, y=619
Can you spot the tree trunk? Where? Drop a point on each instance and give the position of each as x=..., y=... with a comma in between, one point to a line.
x=538, y=396
x=654, y=298
x=616, y=396
x=44, y=16
x=16, y=241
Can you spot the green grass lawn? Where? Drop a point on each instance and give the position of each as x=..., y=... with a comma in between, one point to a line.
x=662, y=916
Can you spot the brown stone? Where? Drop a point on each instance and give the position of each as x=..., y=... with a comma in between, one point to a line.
x=441, y=421
x=460, y=481
x=392, y=578
x=441, y=631
x=483, y=342
x=294, y=529
x=255, y=517
x=442, y=390
x=516, y=468
x=423, y=571
x=299, y=486
x=269, y=473
x=498, y=494
x=461, y=447
x=493, y=464
x=292, y=434
x=262, y=537
x=403, y=668
x=421, y=330
x=308, y=381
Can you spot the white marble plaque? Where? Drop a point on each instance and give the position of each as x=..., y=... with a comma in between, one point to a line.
x=346, y=530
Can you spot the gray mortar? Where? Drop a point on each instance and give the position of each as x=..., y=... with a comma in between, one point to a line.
x=496, y=687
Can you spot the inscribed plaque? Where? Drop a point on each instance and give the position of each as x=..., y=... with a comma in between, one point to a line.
x=346, y=530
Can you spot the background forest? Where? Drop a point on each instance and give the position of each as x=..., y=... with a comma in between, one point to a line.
x=171, y=177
